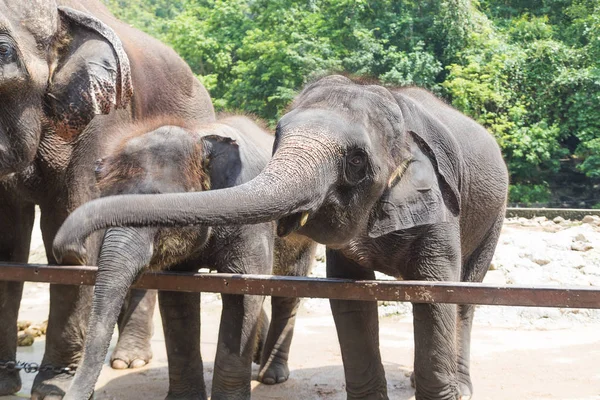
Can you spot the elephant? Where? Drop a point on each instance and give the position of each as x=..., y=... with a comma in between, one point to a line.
x=70, y=75
x=389, y=179
x=182, y=158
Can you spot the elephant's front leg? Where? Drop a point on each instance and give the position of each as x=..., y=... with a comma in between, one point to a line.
x=290, y=261
x=247, y=249
x=436, y=258
x=274, y=361
x=67, y=322
x=180, y=314
x=16, y=222
x=435, y=352
x=357, y=326
x=237, y=339
x=135, y=330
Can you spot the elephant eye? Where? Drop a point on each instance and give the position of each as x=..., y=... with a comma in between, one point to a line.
x=6, y=51
x=355, y=166
x=357, y=160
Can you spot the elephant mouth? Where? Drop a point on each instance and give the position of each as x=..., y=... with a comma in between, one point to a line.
x=291, y=223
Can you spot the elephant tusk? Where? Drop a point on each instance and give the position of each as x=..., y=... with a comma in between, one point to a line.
x=304, y=218
x=398, y=172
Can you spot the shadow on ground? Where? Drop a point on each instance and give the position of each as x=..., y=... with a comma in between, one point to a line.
x=304, y=384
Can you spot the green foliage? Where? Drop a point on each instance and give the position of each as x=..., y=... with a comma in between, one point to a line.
x=529, y=194
x=527, y=70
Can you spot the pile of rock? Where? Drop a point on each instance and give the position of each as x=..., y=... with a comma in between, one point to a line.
x=28, y=332
x=554, y=225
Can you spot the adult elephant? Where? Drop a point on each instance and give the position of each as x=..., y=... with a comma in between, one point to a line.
x=390, y=180
x=70, y=73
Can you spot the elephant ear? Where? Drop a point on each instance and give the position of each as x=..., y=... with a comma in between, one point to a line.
x=424, y=188
x=92, y=77
x=222, y=161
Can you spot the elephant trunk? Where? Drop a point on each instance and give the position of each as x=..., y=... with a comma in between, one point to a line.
x=294, y=182
x=124, y=254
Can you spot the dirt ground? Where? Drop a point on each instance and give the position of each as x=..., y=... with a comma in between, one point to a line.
x=517, y=353
x=507, y=363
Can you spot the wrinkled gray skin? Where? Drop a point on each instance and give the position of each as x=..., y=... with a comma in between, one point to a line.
x=168, y=160
x=66, y=80
x=394, y=181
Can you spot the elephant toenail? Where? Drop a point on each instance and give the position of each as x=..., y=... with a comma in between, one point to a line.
x=119, y=364
x=137, y=363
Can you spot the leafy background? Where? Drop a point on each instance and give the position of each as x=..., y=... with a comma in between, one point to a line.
x=527, y=70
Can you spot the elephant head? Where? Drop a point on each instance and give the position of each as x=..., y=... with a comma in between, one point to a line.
x=59, y=67
x=350, y=161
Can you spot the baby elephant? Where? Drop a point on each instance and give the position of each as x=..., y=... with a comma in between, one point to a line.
x=172, y=159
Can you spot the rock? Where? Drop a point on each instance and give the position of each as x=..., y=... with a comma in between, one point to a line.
x=558, y=220
x=33, y=331
x=551, y=228
x=25, y=339
x=320, y=253
x=22, y=325
x=495, y=278
x=43, y=327
x=38, y=255
x=581, y=246
x=591, y=219
x=541, y=260
x=581, y=238
x=539, y=220
x=492, y=267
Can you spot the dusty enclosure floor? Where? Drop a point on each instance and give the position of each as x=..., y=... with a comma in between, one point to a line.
x=517, y=353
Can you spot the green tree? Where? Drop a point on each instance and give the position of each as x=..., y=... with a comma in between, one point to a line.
x=527, y=70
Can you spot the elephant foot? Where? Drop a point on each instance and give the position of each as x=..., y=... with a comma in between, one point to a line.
x=465, y=387
x=48, y=386
x=128, y=356
x=275, y=372
x=10, y=382
x=186, y=396
x=231, y=396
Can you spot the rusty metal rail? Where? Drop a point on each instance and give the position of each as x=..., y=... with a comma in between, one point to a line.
x=413, y=291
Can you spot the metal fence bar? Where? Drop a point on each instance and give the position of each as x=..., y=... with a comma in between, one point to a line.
x=413, y=291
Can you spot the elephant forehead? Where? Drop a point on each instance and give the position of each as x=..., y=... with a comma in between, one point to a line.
x=39, y=17
x=329, y=126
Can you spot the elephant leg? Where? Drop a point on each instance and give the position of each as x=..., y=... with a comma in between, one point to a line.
x=474, y=271
x=274, y=363
x=357, y=326
x=135, y=331
x=436, y=258
x=261, y=336
x=180, y=314
x=249, y=249
x=237, y=339
x=435, y=351
x=465, y=323
x=67, y=323
x=16, y=223
x=69, y=310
